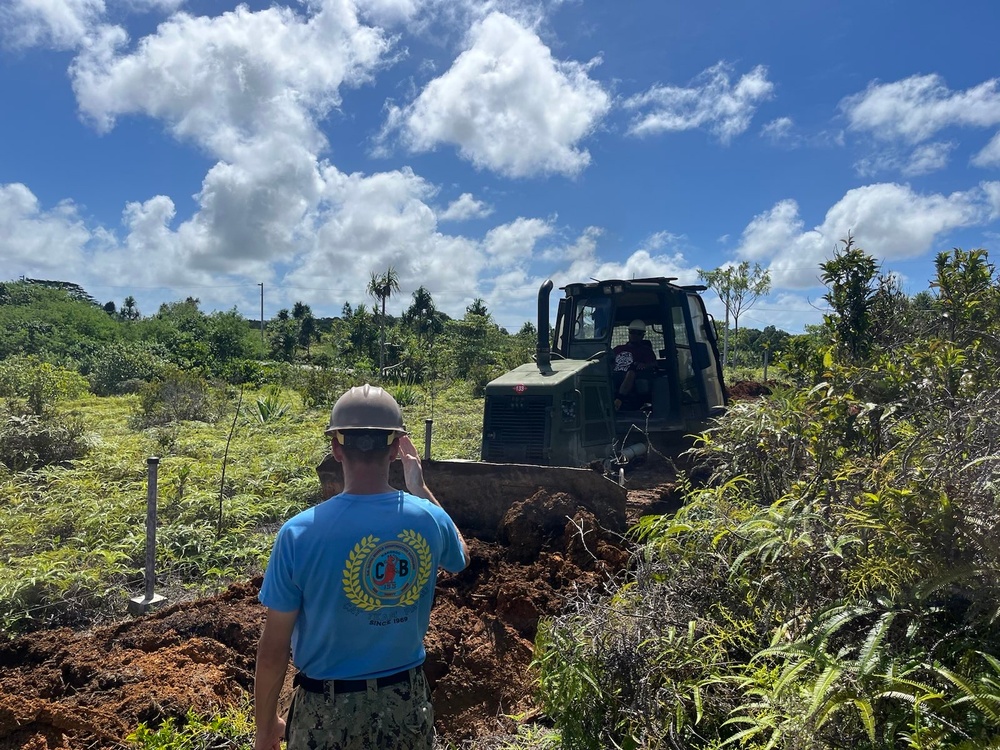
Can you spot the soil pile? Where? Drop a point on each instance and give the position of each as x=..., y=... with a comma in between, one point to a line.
x=66, y=689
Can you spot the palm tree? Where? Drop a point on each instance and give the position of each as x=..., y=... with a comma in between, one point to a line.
x=381, y=287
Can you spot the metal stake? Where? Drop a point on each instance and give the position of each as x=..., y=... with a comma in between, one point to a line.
x=141, y=604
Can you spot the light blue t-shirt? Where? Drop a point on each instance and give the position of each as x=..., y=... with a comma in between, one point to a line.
x=360, y=570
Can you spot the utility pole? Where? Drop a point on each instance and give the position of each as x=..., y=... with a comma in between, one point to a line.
x=261, y=285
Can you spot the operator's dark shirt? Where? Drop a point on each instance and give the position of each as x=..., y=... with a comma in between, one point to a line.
x=629, y=354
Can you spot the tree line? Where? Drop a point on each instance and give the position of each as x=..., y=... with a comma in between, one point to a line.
x=115, y=345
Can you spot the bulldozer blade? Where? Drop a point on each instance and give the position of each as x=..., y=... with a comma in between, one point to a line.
x=477, y=494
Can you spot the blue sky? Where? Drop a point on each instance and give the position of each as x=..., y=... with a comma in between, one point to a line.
x=166, y=149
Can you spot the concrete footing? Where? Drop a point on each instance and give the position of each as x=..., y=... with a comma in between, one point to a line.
x=140, y=605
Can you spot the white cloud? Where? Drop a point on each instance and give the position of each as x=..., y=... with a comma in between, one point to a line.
x=513, y=243
x=711, y=101
x=639, y=265
x=465, y=207
x=389, y=12
x=992, y=190
x=368, y=223
x=507, y=105
x=62, y=24
x=221, y=81
x=657, y=241
x=34, y=241
x=151, y=5
x=247, y=88
x=923, y=159
x=778, y=130
x=928, y=157
x=990, y=154
x=916, y=108
x=889, y=221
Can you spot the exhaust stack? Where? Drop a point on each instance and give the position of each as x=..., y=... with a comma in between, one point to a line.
x=542, y=350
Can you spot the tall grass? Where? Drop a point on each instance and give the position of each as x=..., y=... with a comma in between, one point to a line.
x=73, y=536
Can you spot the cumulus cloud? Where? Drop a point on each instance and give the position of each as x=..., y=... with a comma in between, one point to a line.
x=33, y=240
x=507, y=105
x=923, y=159
x=389, y=12
x=990, y=155
x=916, y=108
x=368, y=223
x=888, y=220
x=514, y=242
x=248, y=88
x=647, y=261
x=221, y=81
x=152, y=5
x=62, y=24
x=465, y=207
x=711, y=101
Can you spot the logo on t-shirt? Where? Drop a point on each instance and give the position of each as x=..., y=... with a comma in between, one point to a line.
x=623, y=360
x=387, y=574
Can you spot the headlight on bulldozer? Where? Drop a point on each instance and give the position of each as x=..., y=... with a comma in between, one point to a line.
x=569, y=410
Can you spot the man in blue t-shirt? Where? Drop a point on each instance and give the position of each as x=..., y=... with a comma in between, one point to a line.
x=348, y=590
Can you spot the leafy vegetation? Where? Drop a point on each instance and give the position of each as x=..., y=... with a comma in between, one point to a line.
x=836, y=583
x=233, y=729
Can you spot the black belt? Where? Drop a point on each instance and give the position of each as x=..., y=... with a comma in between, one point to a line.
x=350, y=686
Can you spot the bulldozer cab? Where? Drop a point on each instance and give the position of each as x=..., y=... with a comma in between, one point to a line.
x=561, y=409
x=683, y=388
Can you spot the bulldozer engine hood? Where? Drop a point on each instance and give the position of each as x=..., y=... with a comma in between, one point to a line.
x=527, y=378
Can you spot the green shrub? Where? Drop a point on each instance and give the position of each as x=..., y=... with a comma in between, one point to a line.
x=269, y=406
x=39, y=384
x=178, y=396
x=406, y=395
x=114, y=367
x=28, y=440
x=233, y=729
x=249, y=372
x=319, y=387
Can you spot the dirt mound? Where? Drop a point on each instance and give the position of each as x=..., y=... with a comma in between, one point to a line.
x=747, y=389
x=66, y=689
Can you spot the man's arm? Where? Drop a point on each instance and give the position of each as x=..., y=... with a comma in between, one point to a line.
x=269, y=676
x=413, y=474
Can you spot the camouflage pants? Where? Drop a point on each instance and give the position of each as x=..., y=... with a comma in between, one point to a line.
x=396, y=717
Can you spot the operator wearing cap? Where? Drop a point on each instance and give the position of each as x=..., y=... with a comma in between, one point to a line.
x=348, y=590
x=634, y=355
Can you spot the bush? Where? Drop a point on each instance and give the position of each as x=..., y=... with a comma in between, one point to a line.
x=180, y=395
x=115, y=365
x=319, y=387
x=406, y=395
x=28, y=440
x=39, y=384
x=249, y=372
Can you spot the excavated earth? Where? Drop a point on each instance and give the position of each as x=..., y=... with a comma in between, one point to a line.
x=68, y=689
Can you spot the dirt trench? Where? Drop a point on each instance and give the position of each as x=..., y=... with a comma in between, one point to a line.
x=76, y=690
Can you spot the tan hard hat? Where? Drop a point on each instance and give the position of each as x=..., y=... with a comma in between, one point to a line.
x=637, y=325
x=366, y=407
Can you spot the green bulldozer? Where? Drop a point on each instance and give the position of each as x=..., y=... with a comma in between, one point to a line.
x=553, y=424
x=561, y=411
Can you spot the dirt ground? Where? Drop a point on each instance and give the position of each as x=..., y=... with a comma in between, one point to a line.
x=67, y=689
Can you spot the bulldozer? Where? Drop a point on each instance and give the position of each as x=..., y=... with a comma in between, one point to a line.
x=560, y=410
x=553, y=423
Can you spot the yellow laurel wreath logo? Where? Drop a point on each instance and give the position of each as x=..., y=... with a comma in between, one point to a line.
x=423, y=551
x=352, y=584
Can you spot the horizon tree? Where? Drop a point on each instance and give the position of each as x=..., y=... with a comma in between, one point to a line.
x=739, y=288
x=381, y=287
